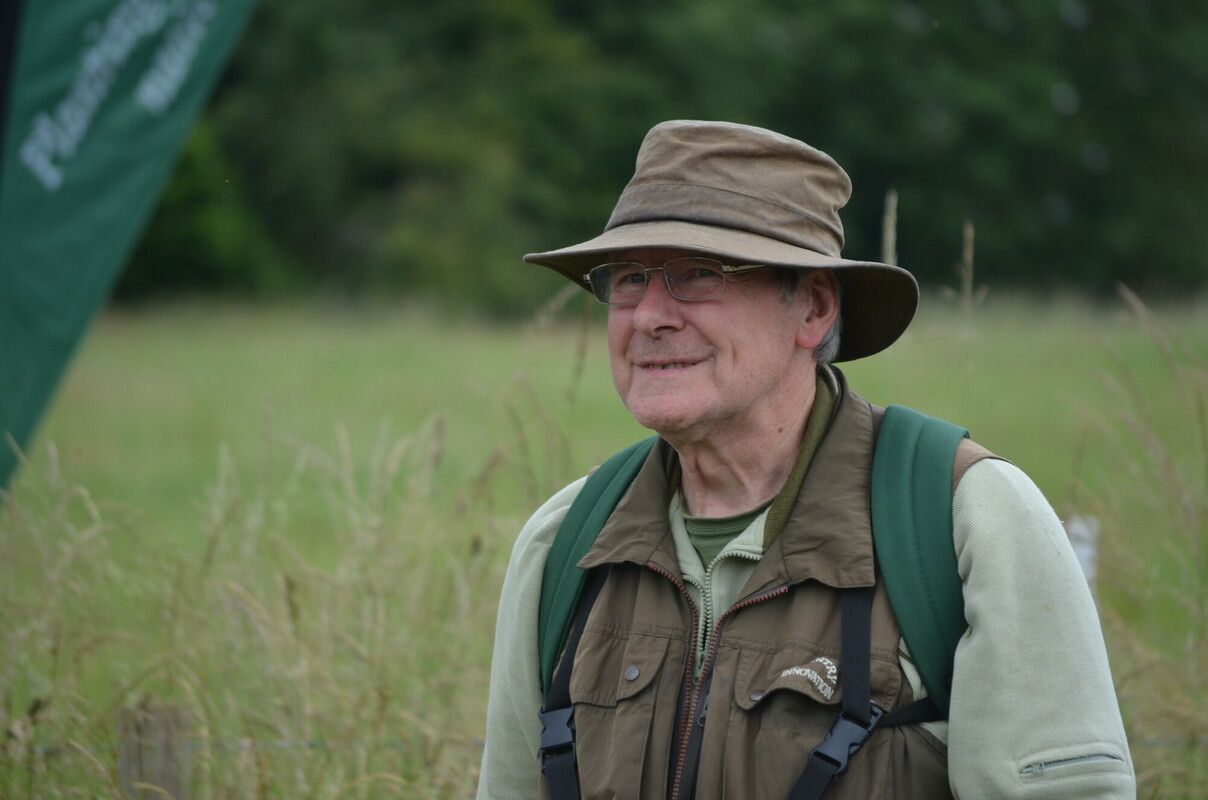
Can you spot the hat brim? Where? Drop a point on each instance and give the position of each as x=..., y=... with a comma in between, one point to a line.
x=878, y=300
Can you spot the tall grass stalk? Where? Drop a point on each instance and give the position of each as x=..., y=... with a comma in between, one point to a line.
x=966, y=294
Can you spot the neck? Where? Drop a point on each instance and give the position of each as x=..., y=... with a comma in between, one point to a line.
x=729, y=473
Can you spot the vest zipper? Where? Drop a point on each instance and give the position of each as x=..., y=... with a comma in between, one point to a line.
x=690, y=732
x=707, y=594
x=689, y=665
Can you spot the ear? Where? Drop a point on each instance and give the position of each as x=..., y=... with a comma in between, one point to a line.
x=819, y=292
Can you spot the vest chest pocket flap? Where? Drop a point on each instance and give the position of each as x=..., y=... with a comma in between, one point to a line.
x=614, y=688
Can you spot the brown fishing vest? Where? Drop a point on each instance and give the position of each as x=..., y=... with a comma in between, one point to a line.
x=773, y=661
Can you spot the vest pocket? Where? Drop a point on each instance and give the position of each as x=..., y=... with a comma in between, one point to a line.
x=614, y=689
x=784, y=703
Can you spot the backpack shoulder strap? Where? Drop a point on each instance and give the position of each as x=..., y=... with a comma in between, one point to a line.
x=563, y=580
x=912, y=529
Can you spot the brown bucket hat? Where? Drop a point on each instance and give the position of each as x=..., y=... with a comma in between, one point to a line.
x=752, y=196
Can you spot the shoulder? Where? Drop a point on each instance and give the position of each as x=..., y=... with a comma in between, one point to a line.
x=988, y=486
x=557, y=505
x=521, y=591
x=1003, y=522
x=968, y=453
x=520, y=597
x=537, y=535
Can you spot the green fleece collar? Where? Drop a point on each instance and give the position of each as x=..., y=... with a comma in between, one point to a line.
x=825, y=401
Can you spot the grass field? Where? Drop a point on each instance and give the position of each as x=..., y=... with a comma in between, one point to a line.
x=289, y=525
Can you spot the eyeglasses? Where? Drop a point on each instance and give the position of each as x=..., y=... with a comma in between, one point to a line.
x=691, y=278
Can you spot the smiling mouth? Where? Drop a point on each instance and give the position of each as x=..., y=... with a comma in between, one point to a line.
x=669, y=365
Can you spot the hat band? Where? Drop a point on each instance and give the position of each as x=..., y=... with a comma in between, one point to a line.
x=706, y=205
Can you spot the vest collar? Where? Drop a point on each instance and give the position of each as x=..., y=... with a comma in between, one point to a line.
x=638, y=530
x=828, y=536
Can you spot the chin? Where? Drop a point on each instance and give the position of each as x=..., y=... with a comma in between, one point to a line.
x=666, y=422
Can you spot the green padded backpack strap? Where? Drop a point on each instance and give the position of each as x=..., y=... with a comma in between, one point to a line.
x=563, y=580
x=912, y=528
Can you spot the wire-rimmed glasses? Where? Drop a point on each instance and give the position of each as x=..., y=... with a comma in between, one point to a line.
x=624, y=283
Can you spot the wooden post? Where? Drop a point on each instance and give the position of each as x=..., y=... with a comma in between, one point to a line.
x=153, y=762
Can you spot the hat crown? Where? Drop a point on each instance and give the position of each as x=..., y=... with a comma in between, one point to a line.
x=739, y=177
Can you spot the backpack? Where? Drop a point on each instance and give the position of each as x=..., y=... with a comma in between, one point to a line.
x=912, y=532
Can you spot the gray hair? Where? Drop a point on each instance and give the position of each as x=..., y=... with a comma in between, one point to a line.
x=827, y=349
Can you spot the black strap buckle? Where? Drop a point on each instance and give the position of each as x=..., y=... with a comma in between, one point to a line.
x=558, y=731
x=847, y=736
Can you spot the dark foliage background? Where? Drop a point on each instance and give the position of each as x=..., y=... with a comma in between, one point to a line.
x=396, y=147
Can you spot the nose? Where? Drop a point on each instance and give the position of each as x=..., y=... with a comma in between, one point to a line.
x=658, y=310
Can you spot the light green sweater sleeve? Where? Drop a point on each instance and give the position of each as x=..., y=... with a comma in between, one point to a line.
x=1034, y=711
x=509, y=759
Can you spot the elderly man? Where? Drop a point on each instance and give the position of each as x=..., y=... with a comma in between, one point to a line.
x=712, y=655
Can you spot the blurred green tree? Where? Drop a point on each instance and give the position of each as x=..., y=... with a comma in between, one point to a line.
x=205, y=235
x=399, y=147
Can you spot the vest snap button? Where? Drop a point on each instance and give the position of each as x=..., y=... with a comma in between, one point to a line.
x=631, y=673
x=756, y=696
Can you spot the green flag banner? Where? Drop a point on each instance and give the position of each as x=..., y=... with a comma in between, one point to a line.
x=96, y=99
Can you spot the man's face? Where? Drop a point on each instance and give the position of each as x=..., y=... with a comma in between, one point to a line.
x=695, y=369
